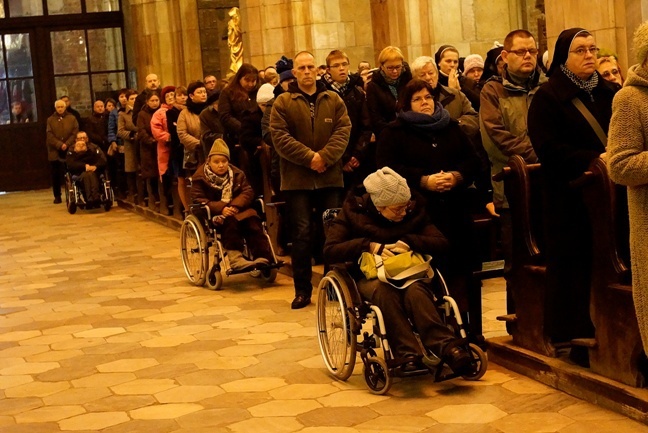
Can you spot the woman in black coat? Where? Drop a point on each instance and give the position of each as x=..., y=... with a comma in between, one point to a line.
x=384, y=217
x=429, y=149
x=148, y=148
x=566, y=143
x=385, y=85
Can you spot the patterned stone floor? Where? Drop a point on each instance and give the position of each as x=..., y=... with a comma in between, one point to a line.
x=100, y=332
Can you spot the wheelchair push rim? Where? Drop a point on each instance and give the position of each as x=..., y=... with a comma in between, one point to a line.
x=194, y=250
x=337, y=340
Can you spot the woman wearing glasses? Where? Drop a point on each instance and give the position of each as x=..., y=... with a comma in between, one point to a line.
x=385, y=85
x=427, y=147
x=609, y=69
x=566, y=142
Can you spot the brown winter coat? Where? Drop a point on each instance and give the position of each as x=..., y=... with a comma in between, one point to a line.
x=60, y=130
x=147, y=144
x=242, y=193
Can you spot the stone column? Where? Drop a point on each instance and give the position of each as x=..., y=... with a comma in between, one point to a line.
x=612, y=22
x=164, y=36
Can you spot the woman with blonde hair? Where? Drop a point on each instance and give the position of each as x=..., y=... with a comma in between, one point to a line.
x=609, y=69
x=386, y=83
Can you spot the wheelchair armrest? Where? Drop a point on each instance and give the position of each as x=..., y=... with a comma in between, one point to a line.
x=200, y=209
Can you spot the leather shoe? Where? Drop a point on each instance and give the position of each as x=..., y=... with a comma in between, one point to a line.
x=459, y=360
x=57, y=200
x=300, y=301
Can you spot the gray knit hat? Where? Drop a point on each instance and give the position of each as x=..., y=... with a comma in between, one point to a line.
x=387, y=188
x=640, y=42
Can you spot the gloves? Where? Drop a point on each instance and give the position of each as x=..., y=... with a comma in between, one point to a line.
x=399, y=247
x=380, y=250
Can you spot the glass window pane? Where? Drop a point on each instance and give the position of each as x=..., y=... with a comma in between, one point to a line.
x=2, y=14
x=2, y=65
x=69, y=52
x=102, y=5
x=23, y=101
x=25, y=8
x=106, y=85
x=105, y=49
x=19, y=62
x=59, y=7
x=4, y=104
x=77, y=88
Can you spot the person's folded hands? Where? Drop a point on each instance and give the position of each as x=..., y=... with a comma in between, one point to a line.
x=399, y=247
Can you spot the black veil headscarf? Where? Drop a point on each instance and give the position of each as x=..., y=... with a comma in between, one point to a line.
x=561, y=50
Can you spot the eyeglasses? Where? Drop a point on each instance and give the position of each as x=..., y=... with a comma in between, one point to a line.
x=400, y=210
x=339, y=65
x=394, y=68
x=523, y=51
x=606, y=74
x=419, y=99
x=582, y=51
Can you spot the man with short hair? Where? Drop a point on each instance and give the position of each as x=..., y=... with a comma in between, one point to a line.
x=310, y=130
x=72, y=111
x=152, y=85
x=505, y=104
x=86, y=161
x=350, y=88
x=96, y=126
x=211, y=84
x=62, y=128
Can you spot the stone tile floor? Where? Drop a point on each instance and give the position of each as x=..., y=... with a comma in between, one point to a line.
x=100, y=331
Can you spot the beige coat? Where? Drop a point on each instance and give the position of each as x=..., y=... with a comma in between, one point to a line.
x=296, y=138
x=628, y=165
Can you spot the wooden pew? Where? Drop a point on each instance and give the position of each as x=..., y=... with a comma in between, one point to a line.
x=523, y=188
x=617, y=346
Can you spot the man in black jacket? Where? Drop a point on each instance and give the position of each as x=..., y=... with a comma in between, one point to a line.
x=96, y=126
x=358, y=159
x=86, y=161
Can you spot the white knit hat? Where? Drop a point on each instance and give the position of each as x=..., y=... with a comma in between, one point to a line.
x=387, y=188
x=473, y=61
x=265, y=93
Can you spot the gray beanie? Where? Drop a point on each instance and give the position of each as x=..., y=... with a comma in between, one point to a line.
x=387, y=188
x=640, y=42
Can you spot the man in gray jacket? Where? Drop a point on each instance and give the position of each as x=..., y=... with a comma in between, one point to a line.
x=310, y=130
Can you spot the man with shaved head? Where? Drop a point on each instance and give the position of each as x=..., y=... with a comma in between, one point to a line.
x=62, y=128
x=152, y=85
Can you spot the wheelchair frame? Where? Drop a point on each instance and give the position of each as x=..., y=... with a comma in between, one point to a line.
x=341, y=314
x=198, y=234
x=74, y=196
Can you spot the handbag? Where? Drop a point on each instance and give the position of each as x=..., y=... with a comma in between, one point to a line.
x=399, y=271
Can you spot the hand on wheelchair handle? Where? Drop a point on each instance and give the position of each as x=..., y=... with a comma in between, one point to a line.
x=399, y=247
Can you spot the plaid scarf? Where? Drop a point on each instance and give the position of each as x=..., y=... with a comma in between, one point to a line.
x=221, y=183
x=587, y=85
x=335, y=86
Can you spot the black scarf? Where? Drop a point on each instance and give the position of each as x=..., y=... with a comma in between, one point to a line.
x=425, y=122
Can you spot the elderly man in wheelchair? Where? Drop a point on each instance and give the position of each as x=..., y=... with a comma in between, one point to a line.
x=385, y=218
x=86, y=163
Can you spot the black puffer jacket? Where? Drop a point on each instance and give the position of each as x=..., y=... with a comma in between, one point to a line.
x=380, y=100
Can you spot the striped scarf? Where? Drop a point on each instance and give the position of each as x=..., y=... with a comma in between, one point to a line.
x=587, y=85
x=222, y=183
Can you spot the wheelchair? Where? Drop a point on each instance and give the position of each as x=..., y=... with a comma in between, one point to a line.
x=199, y=234
x=348, y=325
x=75, y=198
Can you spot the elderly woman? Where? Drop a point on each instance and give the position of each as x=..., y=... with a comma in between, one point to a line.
x=609, y=69
x=566, y=142
x=385, y=86
x=384, y=215
x=426, y=146
x=628, y=164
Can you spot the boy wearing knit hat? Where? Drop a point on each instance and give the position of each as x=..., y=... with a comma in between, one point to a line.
x=387, y=218
x=225, y=190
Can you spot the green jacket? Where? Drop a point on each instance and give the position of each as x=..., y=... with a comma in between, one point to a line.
x=296, y=137
x=503, y=124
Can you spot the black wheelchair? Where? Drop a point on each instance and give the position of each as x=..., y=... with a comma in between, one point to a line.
x=343, y=316
x=199, y=234
x=75, y=197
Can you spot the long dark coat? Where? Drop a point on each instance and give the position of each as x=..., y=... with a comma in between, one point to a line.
x=148, y=144
x=380, y=100
x=565, y=144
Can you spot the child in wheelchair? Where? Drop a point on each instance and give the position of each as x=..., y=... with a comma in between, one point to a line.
x=225, y=190
x=385, y=218
x=86, y=162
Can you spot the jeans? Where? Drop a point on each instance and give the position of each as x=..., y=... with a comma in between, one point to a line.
x=299, y=206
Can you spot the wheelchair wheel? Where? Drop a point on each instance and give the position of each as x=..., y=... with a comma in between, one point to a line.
x=195, y=253
x=215, y=279
x=70, y=197
x=107, y=205
x=269, y=275
x=377, y=375
x=337, y=339
x=480, y=363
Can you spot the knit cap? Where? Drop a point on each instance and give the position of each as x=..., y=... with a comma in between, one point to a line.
x=286, y=75
x=219, y=148
x=640, y=42
x=387, y=188
x=265, y=93
x=473, y=61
